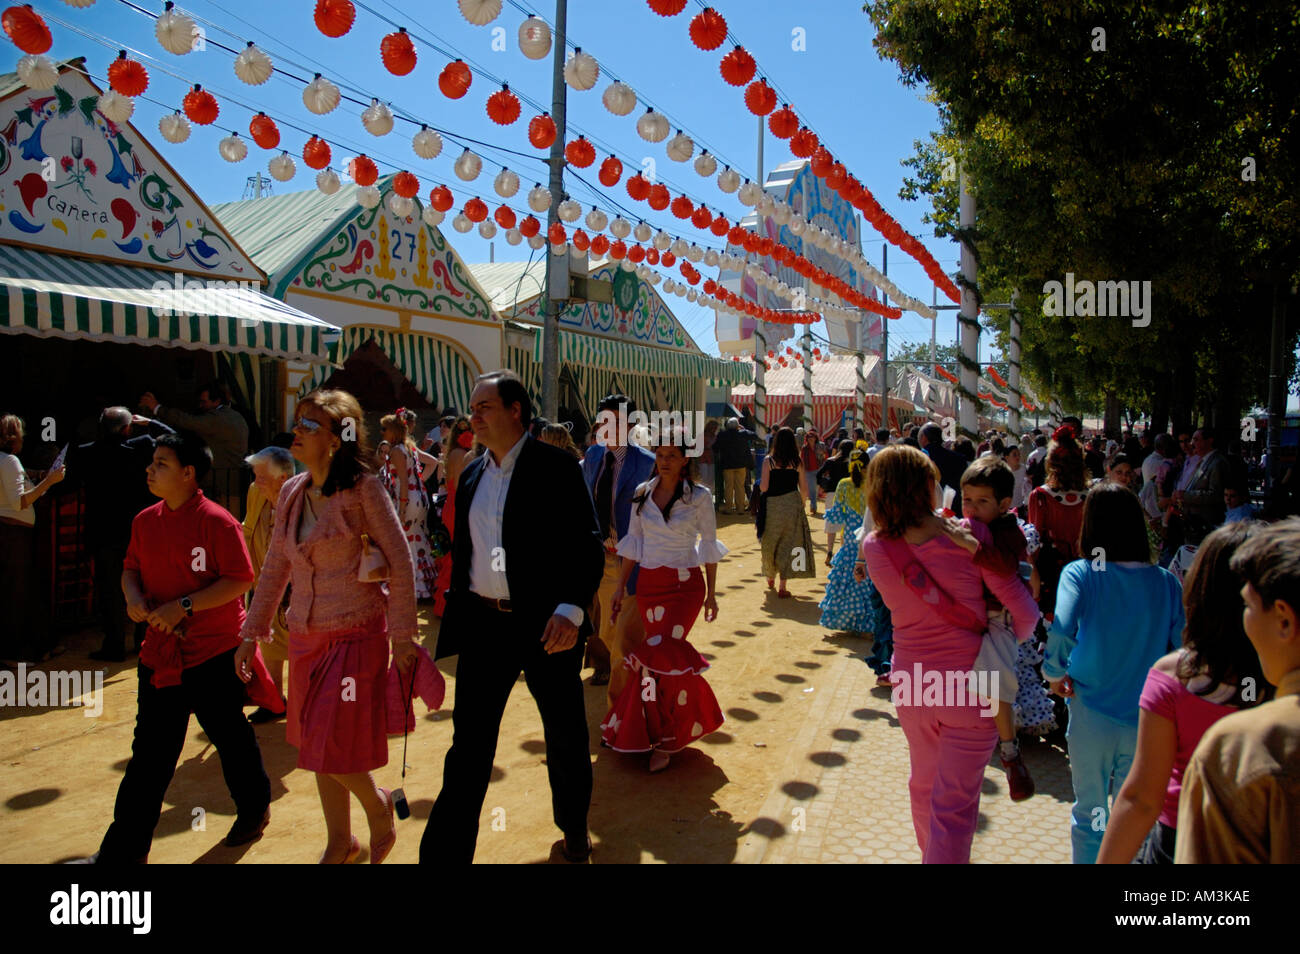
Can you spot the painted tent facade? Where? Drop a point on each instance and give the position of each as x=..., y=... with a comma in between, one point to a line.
x=392, y=283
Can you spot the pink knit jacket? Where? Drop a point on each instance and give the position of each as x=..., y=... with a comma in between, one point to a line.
x=327, y=596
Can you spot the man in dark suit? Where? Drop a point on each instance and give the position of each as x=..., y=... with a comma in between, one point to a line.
x=111, y=470
x=951, y=464
x=526, y=559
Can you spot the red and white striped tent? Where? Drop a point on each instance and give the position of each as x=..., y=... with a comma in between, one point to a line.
x=834, y=393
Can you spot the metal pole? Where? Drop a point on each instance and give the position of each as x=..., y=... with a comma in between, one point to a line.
x=934, y=326
x=860, y=391
x=807, y=377
x=968, y=319
x=1013, y=422
x=552, y=303
x=1276, y=395
x=760, y=381
x=762, y=178
x=884, y=344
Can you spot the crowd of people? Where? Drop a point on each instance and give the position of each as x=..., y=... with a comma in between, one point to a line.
x=1128, y=594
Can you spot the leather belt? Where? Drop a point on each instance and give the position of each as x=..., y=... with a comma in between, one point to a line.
x=501, y=606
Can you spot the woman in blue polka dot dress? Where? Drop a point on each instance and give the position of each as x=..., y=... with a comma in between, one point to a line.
x=847, y=604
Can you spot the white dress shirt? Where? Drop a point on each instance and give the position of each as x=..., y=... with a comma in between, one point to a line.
x=14, y=482
x=1188, y=472
x=654, y=542
x=487, y=569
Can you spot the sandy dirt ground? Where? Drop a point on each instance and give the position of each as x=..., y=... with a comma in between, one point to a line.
x=809, y=766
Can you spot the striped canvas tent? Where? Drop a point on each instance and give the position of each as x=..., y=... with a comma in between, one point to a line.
x=834, y=386
x=436, y=369
x=58, y=296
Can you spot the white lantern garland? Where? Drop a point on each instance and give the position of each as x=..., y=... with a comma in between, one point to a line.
x=427, y=144
x=480, y=12
x=652, y=126
x=461, y=223
x=327, y=181
x=377, y=118
x=253, y=66
x=705, y=165
x=597, y=220
x=536, y=242
x=232, y=148
x=620, y=228
x=680, y=147
x=506, y=184
x=368, y=197
x=487, y=228
x=619, y=99
x=534, y=43
x=749, y=194
x=38, y=72
x=642, y=232
x=282, y=167
x=175, y=31
x=320, y=95
x=432, y=217
x=728, y=180
x=581, y=70
x=568, y=210
x=468, y=166
x=514, y=236
x=539, y=198
x=117, y=108
x=174, y=128
x=400, y=205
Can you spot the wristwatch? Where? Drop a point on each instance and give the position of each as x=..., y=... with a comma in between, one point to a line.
x=187, y=604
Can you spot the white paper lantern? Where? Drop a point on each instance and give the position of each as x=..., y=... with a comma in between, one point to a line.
x=377, y=118
x=652, y=126
x=320, y=95
x=400, y=205
x=427, y=144
x=468, y=166
x=692, y=294
x=253, y=66
x=619, y=99
x=539, y=198
x=654, y=278
x=461, y=223
x=668, y=286
x=506, y=183
x=432, y=217
x=569, y=210
x=534, y=43
x=782, y=214
x=694, y=253
x=678, y=248
x=117, y=108
x=783, y=290
x=765, y=205
x=175, y=31
x=581, y=70
x=750, y=194
x=480, y=12
x=728, y=180
x=705, y=165
x=38, y=72
x=559, y=250
x=232, y=148
x=597, y=220
x=174, y=128
x=753, y=271
x=80, y=4
x=282, y=167
x=487, y=228
x=327, y=180
x=662, y=240
x=711, y=258
x=514, y=236
x=642, y=232
x=620, y=228
x=536, y=242
x=626, y=265
x=680, y=147
x=797, y=226
x=643, y=272
x=680, y=291
x=368, y=197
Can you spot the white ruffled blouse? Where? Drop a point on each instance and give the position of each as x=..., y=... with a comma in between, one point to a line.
x=652, y=542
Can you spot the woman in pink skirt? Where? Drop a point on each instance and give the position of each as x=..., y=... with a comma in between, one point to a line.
x=339, y=626
x=670, y=705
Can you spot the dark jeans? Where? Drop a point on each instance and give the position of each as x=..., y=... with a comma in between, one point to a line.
x=882, y=646
x=213, y=692
x=110, y=601
x=490, y=662
x=1158, y=849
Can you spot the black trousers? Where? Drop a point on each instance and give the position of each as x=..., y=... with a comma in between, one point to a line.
x=110, y=601
x=490, y=662
x=213, y=692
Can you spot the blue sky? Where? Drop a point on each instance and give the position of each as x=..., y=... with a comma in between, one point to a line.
x=839, y=86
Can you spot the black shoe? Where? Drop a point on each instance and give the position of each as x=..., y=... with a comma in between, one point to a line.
x=264, y=715
x=244, y=831
x=95, y=860
x=579, y=857
x=108, y=655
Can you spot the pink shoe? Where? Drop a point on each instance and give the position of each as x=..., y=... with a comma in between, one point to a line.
x=379, y=850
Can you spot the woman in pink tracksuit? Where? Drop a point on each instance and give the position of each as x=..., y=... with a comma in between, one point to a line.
x=936, y=596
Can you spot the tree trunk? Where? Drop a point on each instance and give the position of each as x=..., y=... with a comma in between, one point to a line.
x=1160, y=411
x=1111, y=418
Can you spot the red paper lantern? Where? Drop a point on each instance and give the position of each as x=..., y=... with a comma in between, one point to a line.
x=804, y=143
x=720, y=226
x=505, y=216
x=27, y=29
x=682, y=207
x=822, y=162
x=737, y=67
x=557, y=234
x=580, y=153
x=783, y=123
x=751, y=241
x=529, y=226
x=541, y=131
x=838, y=177
x=611, y=170
x=398, y=52
x=765, y=246
x=760, y=98
x=617, y=250
x=667, y=259
x=363, y=170
x=127, y=76
x=667, y=8
x=636, y=254
x=200, y=106
x=638, y=188
x=652, y=256
x=440, y=198
x=454, y=79
x=599, y=245
x=737, y=235
x=659, y=197
x=503, y=106
x=708, y=29
x=701, y=218
x=476, y=210
x=407, y=185
x=266, y=133
x=710, y=287
x=315, y=152
x=335, y=17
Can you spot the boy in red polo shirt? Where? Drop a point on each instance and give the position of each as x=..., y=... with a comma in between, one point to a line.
x=185, y=573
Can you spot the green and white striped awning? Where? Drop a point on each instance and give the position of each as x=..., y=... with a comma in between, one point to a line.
x=64, y=297
x=597, y=352
x=435, y=368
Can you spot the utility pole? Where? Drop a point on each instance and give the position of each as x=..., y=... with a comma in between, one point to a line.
x=884, y=343
x=1276, y=394
x=1013, y=379
x=968, y=317
x=760, y=339
x=557, y=266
